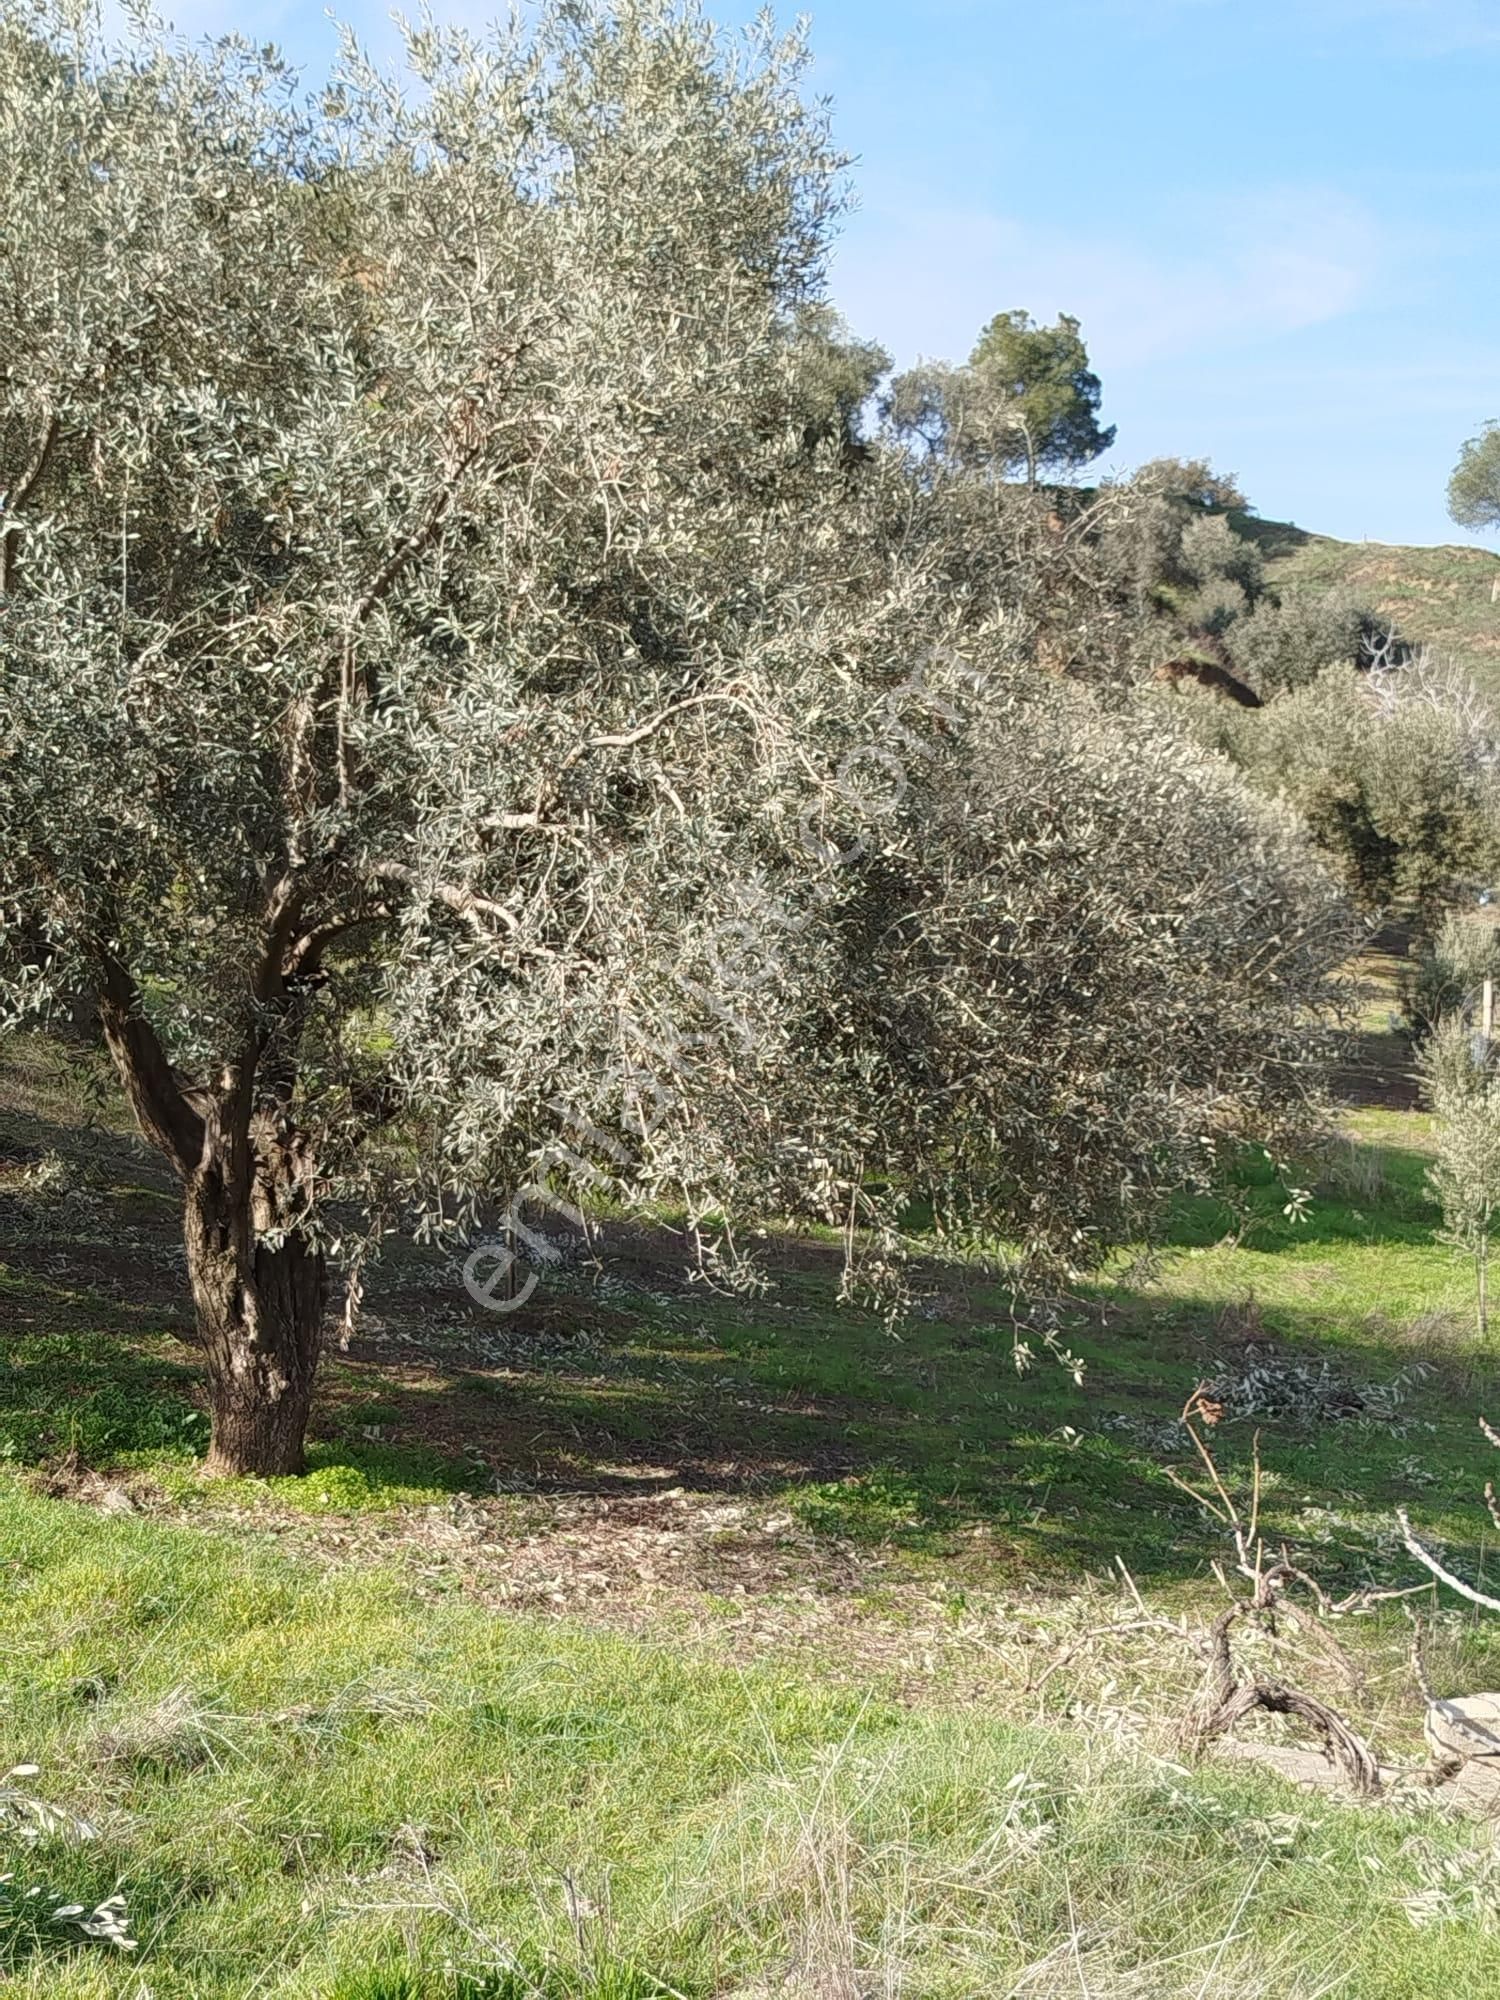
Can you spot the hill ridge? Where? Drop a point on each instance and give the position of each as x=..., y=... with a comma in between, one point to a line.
x=1442, y=595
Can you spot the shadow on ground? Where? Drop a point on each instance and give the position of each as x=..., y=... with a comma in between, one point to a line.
x=623, y=1379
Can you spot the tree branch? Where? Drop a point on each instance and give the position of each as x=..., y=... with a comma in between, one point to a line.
x=305, y=959
x=162, y=1110
x=1429, y=1562
x=638, y=735
x=463, y=902
x=14, y=502
x=283, y=913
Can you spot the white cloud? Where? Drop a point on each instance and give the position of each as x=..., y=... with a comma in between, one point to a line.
x=924, y=279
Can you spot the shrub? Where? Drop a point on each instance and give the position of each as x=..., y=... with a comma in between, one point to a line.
x=1288, y=644
x=1462, y=1078
x=1448, y=970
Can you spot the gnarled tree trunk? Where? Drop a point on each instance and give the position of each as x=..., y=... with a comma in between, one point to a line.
x=260, y=1307
x=260, y=1282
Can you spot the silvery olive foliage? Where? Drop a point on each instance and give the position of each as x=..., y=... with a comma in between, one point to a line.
x=1461, y=1080
x=475, y=714
x=1210, y=550
x=1173, y=543
x=1085, y=959
x=1446, y=974
x=1283, y=645
x=1394, y=773
x=1047, y=558
x=1386, y=754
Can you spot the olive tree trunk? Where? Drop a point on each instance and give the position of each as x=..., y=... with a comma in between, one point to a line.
x=260, y=1283
x=260, y=1307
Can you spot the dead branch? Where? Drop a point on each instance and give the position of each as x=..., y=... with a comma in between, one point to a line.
x=1340, y=1743
x=1227, y=1696
x=1430, y=1562
x=1443, y=1575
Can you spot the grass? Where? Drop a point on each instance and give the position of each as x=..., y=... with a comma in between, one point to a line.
x=313, y=1785
x=906, y=1444
x=655, y=1644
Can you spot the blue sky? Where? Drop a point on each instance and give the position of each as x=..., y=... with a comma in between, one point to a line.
x=1278, y=222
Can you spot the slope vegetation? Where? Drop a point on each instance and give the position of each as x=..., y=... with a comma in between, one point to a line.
x=1444, y=597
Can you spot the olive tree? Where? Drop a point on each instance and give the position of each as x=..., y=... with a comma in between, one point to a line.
x=1086, y=957
x=472, y=723
x=1393, y=774
x=1285, y=644
x=1193, y=483
x=1211, y=549
x=395, y=575
x=1463, y=1088
x=1474, y=489
x=1448, y=971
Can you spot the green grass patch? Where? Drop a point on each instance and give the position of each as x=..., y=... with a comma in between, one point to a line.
x=905, y=1443
x=322, y=1786
x=341, y=1477
x=319, y=1786
x=106, y=1399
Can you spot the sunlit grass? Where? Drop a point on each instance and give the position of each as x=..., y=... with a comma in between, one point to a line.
x=346, y=1783
x=317, y=1786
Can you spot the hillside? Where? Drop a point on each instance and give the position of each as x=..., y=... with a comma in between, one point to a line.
x=1443, y=597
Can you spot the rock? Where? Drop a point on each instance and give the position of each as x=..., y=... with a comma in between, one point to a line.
x=115, y=1500
x=1464, y=1726
x=1476, y=1789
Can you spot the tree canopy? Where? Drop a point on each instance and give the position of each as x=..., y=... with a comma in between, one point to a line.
x=1026, y=400
x=1474, y=489
x=475, y=721
x=1042, y=373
